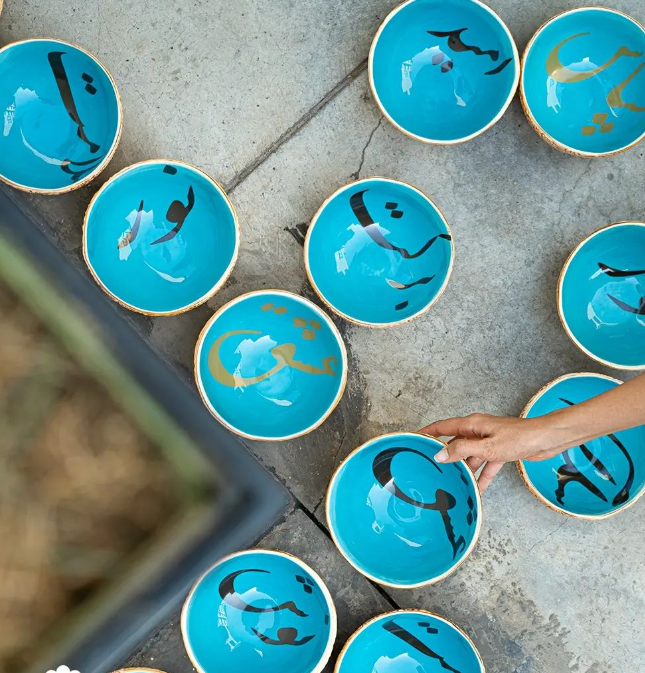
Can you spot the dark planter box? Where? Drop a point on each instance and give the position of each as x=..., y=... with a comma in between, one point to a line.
x=235, y=499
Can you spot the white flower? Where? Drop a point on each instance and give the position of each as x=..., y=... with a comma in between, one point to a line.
x=62, y=669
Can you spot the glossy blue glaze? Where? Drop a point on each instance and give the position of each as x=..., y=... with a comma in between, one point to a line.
x=259, y=611
x=364, y=244
x=571, y=482
x=442, y=88
x=384, y=511
x=583, y=80
x=61, y=115
x=160, y=237
x=270, y=365
x=602, y=295
x=409, y=641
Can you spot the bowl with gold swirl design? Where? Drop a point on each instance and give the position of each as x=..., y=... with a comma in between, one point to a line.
x=583, y=81
x=270, y=365
x=62, y=116
x=398, y=516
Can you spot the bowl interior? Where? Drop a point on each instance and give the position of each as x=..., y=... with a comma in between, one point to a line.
x=598, y=478
x=409, y=642
x=61, y=118
x=583, y=80
x=271, y=365
x=160, y=236
x=398, y=516
x=259, y=611
x=379, y=252
x=444, y=71
x=602, y=295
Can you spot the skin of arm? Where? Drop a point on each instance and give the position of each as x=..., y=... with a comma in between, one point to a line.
x=495, y=440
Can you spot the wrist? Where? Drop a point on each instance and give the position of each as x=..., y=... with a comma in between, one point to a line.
x=565, y=428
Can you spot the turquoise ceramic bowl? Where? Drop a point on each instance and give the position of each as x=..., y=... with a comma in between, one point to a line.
x=379, y=252
x=601, y=295
x=409, y=641
x=270, y=365
x=583, y=85
x=443, y=71
x=160, y=237
x=399, y=517
x=62, y=116
x=260, y=611
x=597, y=479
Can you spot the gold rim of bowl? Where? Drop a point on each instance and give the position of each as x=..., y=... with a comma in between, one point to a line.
x=549, y=139
x=138, y=669
x=529, y=484
x=360, y=629
x=558, y=294
x=110, y=154
x=270, y=552
x=434, y=580
x=429, y=141
x=207, y=403
x=204, y=298
x=337, y=311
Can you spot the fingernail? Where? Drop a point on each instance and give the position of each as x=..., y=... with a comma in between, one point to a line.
x=442, y=456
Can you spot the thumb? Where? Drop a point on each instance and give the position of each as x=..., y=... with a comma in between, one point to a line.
x=460, y=449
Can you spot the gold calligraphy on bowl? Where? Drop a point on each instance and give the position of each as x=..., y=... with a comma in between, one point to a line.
x=564, y=75
x=284, y=354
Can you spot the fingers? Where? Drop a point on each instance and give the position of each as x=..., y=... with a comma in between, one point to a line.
x=446, y=428
x=488, y=474
x=474, y=463
x=474, y=425
x=460, y=449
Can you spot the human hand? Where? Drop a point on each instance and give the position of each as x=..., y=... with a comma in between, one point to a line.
x=494, y=440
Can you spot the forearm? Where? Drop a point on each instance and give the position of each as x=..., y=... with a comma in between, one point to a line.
x=618, y=409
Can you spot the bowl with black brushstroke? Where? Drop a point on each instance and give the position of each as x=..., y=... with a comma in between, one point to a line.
x=409, y=641
x=596, y=479
x=379, y=252
x=62, y=116
x=601, y=295
x=398, y=516
x=443, y=71
x=261, y=611
x=161, y=237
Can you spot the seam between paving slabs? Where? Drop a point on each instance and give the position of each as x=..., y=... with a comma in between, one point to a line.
x=379, y=589
x=237, y=179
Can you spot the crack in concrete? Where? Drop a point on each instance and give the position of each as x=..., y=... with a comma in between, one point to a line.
x=356, y=175
x=295, y=128
x=543, y=540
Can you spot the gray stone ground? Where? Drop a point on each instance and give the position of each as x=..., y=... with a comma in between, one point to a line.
x=272, y=99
